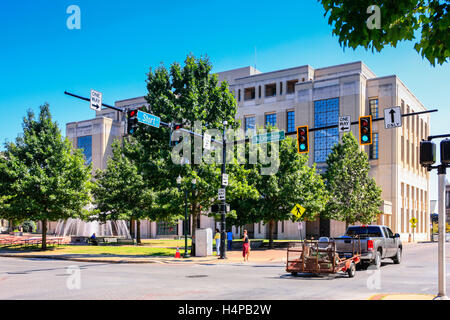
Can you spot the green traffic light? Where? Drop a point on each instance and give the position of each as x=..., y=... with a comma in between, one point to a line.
x=302, y=146
x=365, y=138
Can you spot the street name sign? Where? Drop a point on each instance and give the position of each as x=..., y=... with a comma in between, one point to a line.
x=96, y=100
x=221, y=194
x=344, y=123
x=268, y=137
x=392, y=117
x=224, y=179
x=298, y=211
x=149, y=119
x=207, y=141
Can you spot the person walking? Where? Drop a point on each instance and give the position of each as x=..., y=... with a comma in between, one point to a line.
x=245, y=246
x=217, y=238
x=229, y=239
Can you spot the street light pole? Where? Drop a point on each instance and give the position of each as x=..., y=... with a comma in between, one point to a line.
x=442, y=295
x=223, y=254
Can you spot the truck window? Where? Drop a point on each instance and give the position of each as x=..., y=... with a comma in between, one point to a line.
x=389, y=233
x=364, y=231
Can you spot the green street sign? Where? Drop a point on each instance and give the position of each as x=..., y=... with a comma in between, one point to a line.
x=268, y=137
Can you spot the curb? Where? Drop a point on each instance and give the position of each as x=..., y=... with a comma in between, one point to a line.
x=401, y=296
x=99, y=260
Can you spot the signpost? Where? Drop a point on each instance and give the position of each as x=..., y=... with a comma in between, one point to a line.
x=225, y=179
x=344, y=123
x=96, y=100
x=413, y=222
x=149, y=119
x=392, y=117
x=268, y=137
x=298, y=211
x=221, y=194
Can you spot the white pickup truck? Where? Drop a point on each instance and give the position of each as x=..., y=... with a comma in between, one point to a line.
x=377, y=243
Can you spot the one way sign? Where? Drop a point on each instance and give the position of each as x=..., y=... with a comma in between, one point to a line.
x=392, y=117
x=96, y=100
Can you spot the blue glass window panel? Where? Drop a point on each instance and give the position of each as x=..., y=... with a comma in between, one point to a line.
x=85, y=143
x=290, y=121
x=271, y=119
x=326, y=113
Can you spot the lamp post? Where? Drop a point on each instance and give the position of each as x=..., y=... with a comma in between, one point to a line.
x=185, y=255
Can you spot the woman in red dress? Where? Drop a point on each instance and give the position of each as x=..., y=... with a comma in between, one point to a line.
x=245, y=246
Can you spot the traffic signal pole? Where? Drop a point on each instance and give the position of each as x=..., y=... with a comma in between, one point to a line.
x=442, y=294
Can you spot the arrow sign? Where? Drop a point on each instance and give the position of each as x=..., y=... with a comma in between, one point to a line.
x=344, y=123
x=96, y=100
x=392, y=117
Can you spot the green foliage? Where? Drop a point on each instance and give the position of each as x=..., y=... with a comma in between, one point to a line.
x=294, y=182
x=41, y=177
x=354, y=196
x=429, y=20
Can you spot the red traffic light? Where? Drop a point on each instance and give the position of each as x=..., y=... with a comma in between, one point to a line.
x=302, y=139
x=132, y=113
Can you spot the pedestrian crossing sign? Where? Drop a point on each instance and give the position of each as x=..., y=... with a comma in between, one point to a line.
x=298, y=211
x=413, y=222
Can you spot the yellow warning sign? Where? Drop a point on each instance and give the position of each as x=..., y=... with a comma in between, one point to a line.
x=413, y=222
x=298, y=211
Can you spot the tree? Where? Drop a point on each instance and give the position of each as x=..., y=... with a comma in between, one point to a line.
x=121, y=192
x=187, y=95
x=399, y=20
x=294, y=182
x=354, y=195
x=41, y=177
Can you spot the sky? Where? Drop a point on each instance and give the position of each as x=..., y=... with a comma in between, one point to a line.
x=119, y=41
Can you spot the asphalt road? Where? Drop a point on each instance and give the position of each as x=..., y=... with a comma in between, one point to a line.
x=53, y=279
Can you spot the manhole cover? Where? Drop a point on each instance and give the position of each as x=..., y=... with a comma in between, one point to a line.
x=197, y=276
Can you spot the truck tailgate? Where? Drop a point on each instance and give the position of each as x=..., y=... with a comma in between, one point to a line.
x=348, y=246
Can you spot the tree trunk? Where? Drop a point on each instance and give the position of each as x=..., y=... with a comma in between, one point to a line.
x=44, y=234
x=346, y=225
x=138, y=231
x=271, y=224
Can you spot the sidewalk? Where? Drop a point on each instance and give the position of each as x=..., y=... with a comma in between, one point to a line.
x=261, y=256
x=402, y=296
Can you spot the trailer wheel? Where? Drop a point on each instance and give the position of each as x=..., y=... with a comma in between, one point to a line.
x=351, y=270
x=294, y=273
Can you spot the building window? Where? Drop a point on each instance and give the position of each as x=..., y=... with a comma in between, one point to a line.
x=239, y=95
x=249, y=94
x=271, y=90
x=249, y=124
x=259, y=92
x=373, y=148
x=271, y=119
x=373, y=108
x=291, y=86
x=85, y=143
x=326, y=113
x=291, y=121
x=164, y=228
x=281, y=88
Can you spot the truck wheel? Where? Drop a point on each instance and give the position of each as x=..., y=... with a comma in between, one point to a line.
x=398, y=256
x=352, y=270
x=377, y=260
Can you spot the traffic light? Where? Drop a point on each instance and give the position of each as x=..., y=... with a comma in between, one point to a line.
x=303, y=139
x=427, y=153
x=132, y=121
x=174, y=127
x=445, y=152
x=365, y=130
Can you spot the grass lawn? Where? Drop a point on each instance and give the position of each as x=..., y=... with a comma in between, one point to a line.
x=165, y=242
x=100, y=250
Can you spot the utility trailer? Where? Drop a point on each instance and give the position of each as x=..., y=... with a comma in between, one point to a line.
x=321, y=257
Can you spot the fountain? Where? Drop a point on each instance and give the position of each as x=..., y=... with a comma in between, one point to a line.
x=81, y=230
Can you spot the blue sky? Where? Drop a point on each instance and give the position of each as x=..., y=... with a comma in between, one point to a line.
x=119, y=41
